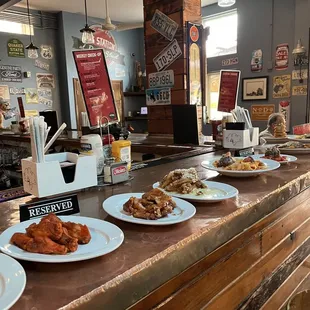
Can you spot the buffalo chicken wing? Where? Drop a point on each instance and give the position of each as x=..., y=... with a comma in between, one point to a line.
x=52, y=236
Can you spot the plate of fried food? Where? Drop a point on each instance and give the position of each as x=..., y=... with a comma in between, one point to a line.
x=186, y=184
x=295, y=147
x=240, y=167
x=61, y=239
x=152, y=208
x=300, y=138
x=274, y=153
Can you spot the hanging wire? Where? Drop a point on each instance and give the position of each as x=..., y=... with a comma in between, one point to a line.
x=85, y=12
x=29, y=22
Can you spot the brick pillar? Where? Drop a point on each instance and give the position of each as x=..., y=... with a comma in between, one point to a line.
x=180, y=11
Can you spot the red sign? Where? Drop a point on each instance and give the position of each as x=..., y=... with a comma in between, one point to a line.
x=96, y=86
x=194, y=33
x=229, y=86
x=105, y=40
x=282, y=57
x=119, y=170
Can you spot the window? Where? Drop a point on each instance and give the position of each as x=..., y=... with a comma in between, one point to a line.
x=223, y=34
x=213, y=93
x=13, y=27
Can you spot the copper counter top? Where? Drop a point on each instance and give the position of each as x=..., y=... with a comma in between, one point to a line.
x=150, y=255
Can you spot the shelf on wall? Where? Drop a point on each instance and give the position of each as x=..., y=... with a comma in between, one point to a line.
x=133, y=94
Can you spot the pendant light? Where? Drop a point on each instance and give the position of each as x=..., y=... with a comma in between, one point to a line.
x=31, y=48
x=226, y=3
x=87, y=32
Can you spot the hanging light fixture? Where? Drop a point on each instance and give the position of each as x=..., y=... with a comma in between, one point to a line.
x=87, y=32
x=226, y=3
x=31, y=48
x=300, y=58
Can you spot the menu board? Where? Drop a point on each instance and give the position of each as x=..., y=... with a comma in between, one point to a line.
x=229, y=86
x=96, y=86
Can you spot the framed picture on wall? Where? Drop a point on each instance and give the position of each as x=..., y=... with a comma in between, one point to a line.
x=255, y=88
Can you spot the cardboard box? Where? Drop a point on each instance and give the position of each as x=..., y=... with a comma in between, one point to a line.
x=240, y=139
x=46, y=179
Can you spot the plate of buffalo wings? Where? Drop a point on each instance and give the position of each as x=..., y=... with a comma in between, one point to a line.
x=62, y=239
x=186, y=184
x=152, y=208
x=240, y=167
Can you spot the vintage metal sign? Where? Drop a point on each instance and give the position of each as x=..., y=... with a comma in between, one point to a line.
x=299, y=90
x=282, y=57
x=164, y=25
x=161, y=79
x=194, y=63
x=257, y=61
x=158, y=96
x=297, y=74
x=230, y=62
x=42, y=65
x=261, y=112
x=16, y=48
x=285, y=109
x=167, y=56
x=10, y=73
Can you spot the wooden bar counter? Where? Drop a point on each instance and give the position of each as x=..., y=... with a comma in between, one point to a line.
x=245, y=253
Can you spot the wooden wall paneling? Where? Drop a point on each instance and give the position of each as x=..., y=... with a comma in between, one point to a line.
x=176, y=285
x=270, y=285
x=235, y=293
x=287, y=290
x=282, y=228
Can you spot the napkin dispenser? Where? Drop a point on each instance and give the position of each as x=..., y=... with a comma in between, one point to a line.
x=240, y=139
x=47, y=178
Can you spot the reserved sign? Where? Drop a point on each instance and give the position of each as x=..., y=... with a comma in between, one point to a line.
x=60, y=206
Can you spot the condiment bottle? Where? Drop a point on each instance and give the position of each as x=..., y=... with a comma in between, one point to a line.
x=121, y=151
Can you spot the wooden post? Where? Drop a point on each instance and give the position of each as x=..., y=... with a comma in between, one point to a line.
x=160, y=119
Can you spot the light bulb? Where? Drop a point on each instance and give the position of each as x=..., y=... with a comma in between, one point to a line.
x=88, y=37
x=226, y=3
x=33, y=53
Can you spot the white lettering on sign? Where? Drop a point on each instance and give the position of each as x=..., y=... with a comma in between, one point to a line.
x=119, y=170
x=161, y=79
x=164, y=25
x=167, y=56
x=158, y=96
x=230, y=61
x=57, y=208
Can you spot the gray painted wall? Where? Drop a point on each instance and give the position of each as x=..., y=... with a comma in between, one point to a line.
x=46, y=36
x=128, y=42
x=291, y=22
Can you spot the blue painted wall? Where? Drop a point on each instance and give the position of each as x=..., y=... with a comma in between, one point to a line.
x=290, y=23
x=128, y=42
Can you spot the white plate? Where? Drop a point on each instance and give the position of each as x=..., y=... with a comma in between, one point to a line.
x=216, y=191
x=114, y=207
x=271, y=165
x=105, y=238
x=294, y=138
x=295, y=151
x=12, y=281
x=289, y=158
